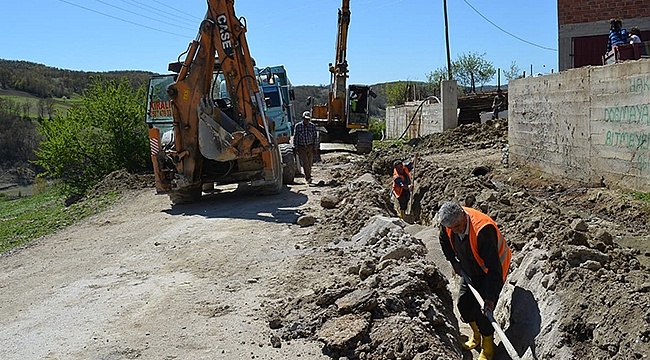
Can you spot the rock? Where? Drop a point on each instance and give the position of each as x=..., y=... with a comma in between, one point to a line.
x=578, y=238
x=276, y=342
x=579, y=225
x=604, y=236
x=329, y=201
x=354, y=269
x=366, y=269
x=366, y=178
x=487, y=196
x=396, y=253
x=343, y=333
x=591, y=265
x=275, y=323
x=577, y=255
x=385, y=264
x=306, y=220
x=330, y=296
x=358, y=301
x=378, y=226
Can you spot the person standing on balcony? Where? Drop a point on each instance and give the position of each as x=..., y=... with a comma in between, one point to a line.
x=617, y=34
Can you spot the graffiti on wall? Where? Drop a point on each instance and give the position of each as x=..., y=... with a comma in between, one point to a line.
x=633, y=130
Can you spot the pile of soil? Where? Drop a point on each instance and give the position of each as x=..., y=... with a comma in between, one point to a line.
x=120, y=180
x=573, y=292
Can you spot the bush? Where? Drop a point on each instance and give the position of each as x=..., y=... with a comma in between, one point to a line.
x=106, y=132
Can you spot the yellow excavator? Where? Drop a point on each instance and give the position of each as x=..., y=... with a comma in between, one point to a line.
x=345, y=117
x=220, y=132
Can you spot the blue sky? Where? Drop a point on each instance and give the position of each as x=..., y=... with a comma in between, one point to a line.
x=388, y=39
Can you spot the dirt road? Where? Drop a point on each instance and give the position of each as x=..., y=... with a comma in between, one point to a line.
x=147, y=281
x=234, y=276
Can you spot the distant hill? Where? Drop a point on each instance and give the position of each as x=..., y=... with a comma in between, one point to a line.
x=49, y=82
x=27, y=79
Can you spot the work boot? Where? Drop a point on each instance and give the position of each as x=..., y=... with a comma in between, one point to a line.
x=487, y=349
x=473, y=341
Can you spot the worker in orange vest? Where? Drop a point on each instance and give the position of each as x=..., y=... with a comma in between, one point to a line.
x=472, y=242
x=403, y=183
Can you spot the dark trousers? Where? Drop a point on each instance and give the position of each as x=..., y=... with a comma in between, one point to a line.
x=471, y=311
x=306, y=156
x=403, y=199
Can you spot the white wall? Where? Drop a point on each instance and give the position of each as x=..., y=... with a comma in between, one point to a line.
x=432, y=117
x=585, y=124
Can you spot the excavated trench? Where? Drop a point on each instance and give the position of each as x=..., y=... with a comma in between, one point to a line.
x=573, y=290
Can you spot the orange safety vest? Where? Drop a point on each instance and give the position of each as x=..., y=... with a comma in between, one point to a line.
x=397, y=190
x=477, y=221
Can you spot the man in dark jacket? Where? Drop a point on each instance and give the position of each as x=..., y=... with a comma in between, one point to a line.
x=472, y=242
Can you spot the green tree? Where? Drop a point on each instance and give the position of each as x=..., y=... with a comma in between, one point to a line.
x=472, y=68
x=434, y=79
x=106, y=132
x=396, y=93
x=514, y=72
x=18, y=135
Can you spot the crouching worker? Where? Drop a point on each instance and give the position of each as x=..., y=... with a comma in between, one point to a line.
x=403, y=183
x=473, y=244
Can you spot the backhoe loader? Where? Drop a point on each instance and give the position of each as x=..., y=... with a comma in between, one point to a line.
x=220, y=133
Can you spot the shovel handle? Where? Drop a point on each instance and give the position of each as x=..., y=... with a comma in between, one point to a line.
x=502, y=335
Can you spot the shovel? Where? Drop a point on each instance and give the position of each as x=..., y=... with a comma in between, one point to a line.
x=408, y=209
x=528, y=355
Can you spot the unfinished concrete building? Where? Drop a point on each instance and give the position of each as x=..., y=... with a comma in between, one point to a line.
x=583, y=28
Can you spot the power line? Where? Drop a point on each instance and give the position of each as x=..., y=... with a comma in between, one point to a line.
x=144, y=16
x=123, y=20
x=142, y=6
x=165, y=5
x=505, y=31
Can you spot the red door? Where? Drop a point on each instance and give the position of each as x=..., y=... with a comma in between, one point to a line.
x=589, y=50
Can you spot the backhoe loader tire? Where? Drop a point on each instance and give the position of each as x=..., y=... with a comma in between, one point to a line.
x=288, y=163
x=185, y=196
x=364, y=142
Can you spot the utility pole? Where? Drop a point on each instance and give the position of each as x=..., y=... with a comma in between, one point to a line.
x=444, y=2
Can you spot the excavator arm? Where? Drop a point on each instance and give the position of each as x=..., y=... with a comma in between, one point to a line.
x=340, y=68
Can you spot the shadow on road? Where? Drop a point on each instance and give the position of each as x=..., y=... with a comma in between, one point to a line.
x=244, y=203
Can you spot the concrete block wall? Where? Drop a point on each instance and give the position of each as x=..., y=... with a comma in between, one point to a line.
x=428, y=120
x=585, y=124
x=432, y=117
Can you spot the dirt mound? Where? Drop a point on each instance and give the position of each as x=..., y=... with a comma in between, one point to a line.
x=120, y=180
x=383, y=302
x=575, y=290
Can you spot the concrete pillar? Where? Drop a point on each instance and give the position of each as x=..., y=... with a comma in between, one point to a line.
x=449, y=100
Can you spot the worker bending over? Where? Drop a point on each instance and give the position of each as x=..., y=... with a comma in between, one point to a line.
x=474, y=246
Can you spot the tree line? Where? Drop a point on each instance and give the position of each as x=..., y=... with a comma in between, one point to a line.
x=50, y=82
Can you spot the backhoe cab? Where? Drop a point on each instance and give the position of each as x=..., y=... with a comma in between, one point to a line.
x=219, y=133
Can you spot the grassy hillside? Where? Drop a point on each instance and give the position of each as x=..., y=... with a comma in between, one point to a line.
x=21, y=98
